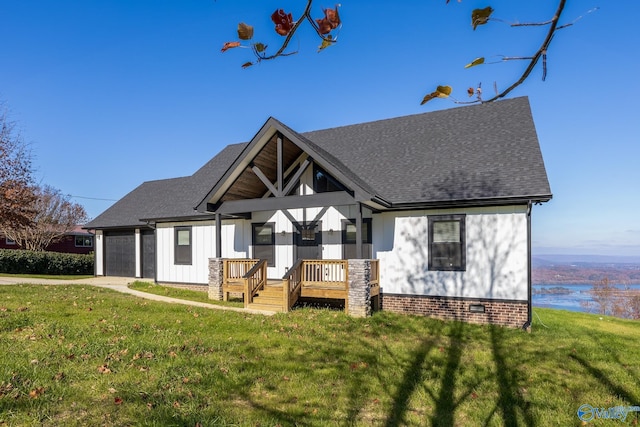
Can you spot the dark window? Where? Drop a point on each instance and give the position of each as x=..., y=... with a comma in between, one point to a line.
x=84, y=241
x=264, y=242
x=9, y=241
x=323, y=182
x=447, y=248
x=349, y=238
x=182, y=246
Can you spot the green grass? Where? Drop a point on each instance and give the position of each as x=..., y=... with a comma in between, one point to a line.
x=77, y=355
x=186, y=294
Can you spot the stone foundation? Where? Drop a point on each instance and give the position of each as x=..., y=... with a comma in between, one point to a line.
x=216, y=276
x=497, y=312
x=359, y=301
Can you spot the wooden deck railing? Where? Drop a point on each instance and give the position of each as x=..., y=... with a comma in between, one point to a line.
x=292, y=286
x=374, y=292
x=254, y=280
x=307, y=278
x=234, y=272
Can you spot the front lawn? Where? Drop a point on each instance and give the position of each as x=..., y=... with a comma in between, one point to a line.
x=187, y=294
x=78, y=355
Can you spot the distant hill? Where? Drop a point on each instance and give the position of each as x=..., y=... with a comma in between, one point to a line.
x=584, y=269
x=591, y=259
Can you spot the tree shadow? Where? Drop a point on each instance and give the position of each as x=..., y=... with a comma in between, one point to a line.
x=602, y=377
x=445, y=402
x=412, y=378
x=511, y=400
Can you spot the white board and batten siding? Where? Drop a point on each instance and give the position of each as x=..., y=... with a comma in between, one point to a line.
x=203, y=246
x=330, y=225
x=99, y=253
x=496, y=254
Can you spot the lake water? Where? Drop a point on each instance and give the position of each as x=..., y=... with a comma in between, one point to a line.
x=572, y=300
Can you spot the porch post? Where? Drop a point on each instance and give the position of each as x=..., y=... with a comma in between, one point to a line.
x=359, y=231
x=359, y=302
x=218, y=236
x=216, y=277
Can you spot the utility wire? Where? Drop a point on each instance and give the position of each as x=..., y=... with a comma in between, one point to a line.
x=92, y=198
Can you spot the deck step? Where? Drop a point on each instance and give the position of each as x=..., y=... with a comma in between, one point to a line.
x=268, y=299
x=266, y=307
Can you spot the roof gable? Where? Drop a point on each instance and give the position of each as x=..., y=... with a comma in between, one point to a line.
x=242, y=181
x=481, y=154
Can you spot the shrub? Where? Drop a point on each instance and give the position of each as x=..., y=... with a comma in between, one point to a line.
x=54, y=263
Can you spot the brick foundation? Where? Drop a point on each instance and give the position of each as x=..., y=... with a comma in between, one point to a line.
x=189, y=286
x=497, y=312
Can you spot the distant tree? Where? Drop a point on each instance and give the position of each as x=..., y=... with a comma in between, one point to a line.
x=603, y=295
x=16, y=180
x=54, y=217
x=328, y=25
x=633, y=306
x=610, y=300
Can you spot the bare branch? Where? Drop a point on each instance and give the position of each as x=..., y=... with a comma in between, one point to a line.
x=542, y=51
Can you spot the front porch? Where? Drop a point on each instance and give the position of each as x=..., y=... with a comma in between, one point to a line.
x=355, y=281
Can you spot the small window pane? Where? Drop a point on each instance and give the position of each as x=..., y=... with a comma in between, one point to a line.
x=308, y=234
x=446, y=232
x=350, y=233
x=184, y=237
x=263, y=235
x=83, y=241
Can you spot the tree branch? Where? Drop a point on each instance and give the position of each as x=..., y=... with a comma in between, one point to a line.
x=305, y=15
x=542, y=52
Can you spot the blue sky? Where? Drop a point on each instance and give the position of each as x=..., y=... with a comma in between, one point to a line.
x=113, y=93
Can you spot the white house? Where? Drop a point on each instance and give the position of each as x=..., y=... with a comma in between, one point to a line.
x=442, y=201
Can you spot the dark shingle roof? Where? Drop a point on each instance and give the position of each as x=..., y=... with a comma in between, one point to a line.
x=479, y=153
x=166, y=198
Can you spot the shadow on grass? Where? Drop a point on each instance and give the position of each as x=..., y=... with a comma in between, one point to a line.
x=615, y=389
x=412, y=378
x=416, y=373
x=510, y=399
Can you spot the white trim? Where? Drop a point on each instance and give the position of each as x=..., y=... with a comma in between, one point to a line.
x=138, y=251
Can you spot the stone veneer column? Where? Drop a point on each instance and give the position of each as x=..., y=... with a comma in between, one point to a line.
x=359, y=304
x=216, y=276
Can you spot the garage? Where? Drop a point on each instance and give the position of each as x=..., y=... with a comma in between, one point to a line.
x=120, y=253
x=148, y=254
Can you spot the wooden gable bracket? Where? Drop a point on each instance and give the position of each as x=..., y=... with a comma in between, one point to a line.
x=312, y=224
x=277, y=188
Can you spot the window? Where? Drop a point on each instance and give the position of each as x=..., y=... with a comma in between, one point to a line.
x=323, y=182
x=447, y=248
x=84, y=241
x=308, y=234
x=264, y=242
x=9, y=241
x=182, y=246
x=349, y=238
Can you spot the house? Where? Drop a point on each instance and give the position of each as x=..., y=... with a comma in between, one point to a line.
x=76, y=241
x=439, y=202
